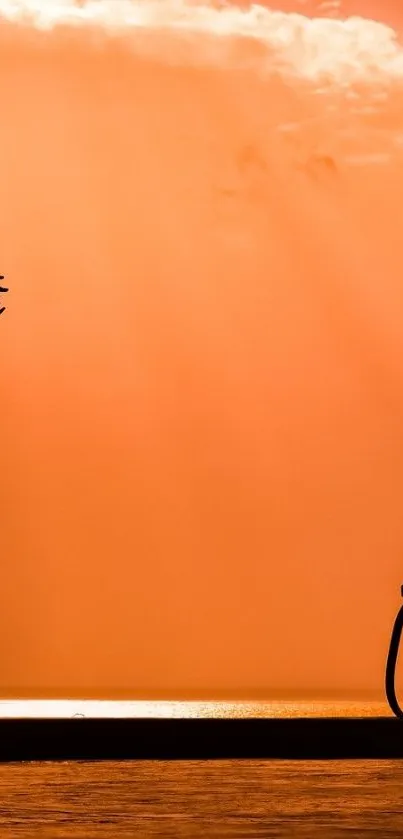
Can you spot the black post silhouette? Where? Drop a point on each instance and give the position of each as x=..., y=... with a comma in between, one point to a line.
x=2, y=291
x=391, y=663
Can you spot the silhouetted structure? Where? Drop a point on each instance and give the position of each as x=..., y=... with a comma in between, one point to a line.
x=84, y=738
x=391, y=663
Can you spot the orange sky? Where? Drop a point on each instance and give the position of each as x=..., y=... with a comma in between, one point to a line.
x=202, y=448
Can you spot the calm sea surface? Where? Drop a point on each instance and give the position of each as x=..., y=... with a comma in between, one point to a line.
x=196, y=799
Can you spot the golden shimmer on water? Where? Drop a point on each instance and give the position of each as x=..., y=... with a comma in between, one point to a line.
x=202, y=352
x=64, y=708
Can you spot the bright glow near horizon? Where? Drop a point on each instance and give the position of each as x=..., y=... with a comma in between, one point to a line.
x=63, y=708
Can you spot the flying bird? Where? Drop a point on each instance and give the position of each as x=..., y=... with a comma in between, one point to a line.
x=2, y=290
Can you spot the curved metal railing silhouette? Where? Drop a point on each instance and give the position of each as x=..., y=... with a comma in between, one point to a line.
x=391, y=663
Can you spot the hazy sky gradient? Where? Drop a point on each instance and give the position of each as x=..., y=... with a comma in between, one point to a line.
x=202, y=365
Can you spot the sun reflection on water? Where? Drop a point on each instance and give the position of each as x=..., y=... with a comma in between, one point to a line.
x=64, y=708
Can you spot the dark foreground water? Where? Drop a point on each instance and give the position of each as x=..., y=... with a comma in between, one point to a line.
x=194, y=799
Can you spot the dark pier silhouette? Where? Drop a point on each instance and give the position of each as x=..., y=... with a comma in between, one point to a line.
x=199, y=739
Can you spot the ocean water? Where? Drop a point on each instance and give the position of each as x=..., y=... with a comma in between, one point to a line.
x=252, y=798
x=195, y=799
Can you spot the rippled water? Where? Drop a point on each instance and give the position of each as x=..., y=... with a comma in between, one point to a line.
x=196, y=799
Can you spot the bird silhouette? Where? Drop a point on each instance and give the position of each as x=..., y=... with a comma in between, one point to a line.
x=2, y=291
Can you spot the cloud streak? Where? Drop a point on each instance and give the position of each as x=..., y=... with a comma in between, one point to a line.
x=339, y=51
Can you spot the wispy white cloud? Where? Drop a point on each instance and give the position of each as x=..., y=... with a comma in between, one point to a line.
x=322, y=47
